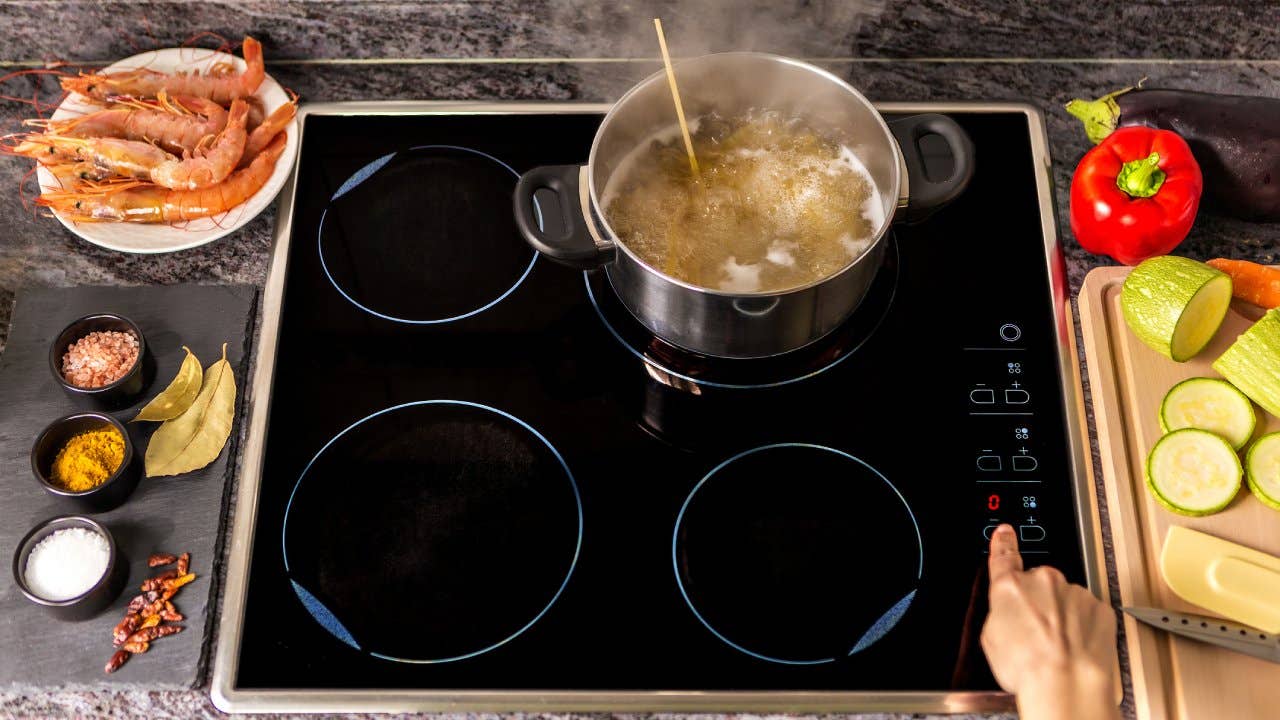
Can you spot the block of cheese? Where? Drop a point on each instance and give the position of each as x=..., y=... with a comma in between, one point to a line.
x=1230, y=580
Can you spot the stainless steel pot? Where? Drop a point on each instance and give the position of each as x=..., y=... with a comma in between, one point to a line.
x=726, y=324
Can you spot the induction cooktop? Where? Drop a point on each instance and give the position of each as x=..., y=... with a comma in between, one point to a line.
x=473, y=481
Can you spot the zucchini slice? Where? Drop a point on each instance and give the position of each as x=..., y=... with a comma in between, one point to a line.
x=1193, y=472
x=1209, y=404
x=1175, y=305
x=1252, y=363
x=1262, y=468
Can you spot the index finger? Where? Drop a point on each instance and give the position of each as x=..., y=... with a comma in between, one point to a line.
x=1004, y=557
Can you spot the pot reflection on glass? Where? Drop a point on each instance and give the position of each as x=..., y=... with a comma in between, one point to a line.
x=742, y=324
x=698, y=402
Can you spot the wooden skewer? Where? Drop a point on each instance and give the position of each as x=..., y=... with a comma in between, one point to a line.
x=675, y=95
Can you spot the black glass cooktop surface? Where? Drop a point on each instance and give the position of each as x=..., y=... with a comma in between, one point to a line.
x=480, y=472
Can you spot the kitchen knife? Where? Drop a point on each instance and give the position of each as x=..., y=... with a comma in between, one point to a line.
x=1215, y=631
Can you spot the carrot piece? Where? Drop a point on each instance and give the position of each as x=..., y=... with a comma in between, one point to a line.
x=1251, y=282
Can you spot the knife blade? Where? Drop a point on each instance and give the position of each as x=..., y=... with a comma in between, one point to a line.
x=1215, y=631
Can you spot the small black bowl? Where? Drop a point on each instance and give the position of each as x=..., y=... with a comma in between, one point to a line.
x=92, y=601
x=114, y=490
x=117, y=394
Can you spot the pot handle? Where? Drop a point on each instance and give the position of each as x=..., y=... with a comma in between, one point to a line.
x=574, y=246
x=926, y=195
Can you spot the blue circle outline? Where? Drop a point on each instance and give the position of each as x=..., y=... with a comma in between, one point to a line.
x=577, y=497
x=372, y=167
x=586, y=277
x=675, y=537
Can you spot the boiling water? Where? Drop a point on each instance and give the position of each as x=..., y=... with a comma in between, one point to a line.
x=776, y=205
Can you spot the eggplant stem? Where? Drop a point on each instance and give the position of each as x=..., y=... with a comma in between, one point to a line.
x=1101, y=116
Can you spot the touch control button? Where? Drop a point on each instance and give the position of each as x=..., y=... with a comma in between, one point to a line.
x=982, y=396
x=990, y=463
x=1025, y=463
x=1017, y=396
x=1010, y=332
x=1030, y=533
x=988, y=531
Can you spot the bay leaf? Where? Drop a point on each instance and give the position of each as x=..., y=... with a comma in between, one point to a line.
x=181, y=393
x=196, y=437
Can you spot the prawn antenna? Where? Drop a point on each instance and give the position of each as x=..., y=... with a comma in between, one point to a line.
x=224, y=45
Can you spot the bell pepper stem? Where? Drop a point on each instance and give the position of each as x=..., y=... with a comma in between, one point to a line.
x=1141, y=178
x=1100, y=116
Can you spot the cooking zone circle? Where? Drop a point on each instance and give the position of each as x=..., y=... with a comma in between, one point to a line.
x=748, y=373
x=425, y=235
x=797, y=568
x=432, y=531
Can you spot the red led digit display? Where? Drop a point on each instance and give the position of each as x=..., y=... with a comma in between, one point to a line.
x=993, y=502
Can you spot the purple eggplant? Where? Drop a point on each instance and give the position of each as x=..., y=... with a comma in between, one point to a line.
x=1235, y=138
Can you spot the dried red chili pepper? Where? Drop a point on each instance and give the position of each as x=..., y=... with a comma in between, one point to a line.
x=167, y=630
x=125, y=628
x=118, y=658
x=155, y=606
x=137, y=648
x=148, y=634
x=154, y=583
x=178, y=582
x=159, y=559
x=170, y=613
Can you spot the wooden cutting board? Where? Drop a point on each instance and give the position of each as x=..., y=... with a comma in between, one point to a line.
x=1172, y=677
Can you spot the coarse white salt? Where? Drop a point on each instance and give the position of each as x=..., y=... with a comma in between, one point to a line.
x=67, y=563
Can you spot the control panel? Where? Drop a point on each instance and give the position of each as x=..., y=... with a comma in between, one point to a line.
x=1016, y=461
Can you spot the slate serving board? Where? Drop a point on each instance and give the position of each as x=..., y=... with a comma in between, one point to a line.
x=176, y=514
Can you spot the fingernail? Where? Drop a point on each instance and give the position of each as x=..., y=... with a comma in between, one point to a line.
x=1004, y=529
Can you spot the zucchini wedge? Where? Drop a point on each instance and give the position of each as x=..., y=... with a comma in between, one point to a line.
x=1252, y=363
x=1175, y=305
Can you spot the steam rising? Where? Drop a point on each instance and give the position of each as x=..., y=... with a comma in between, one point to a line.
x=798, y=28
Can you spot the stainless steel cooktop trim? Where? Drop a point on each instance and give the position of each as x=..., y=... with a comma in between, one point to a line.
x=230, y=699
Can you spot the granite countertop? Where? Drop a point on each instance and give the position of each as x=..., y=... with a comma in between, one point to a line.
x=556, y=50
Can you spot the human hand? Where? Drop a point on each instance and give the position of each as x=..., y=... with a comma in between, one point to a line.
x=1051, y=643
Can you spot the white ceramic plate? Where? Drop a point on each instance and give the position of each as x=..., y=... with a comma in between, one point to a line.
x=160, y=238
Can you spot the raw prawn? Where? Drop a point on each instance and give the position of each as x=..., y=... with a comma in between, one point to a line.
x=106, y=156
x=143, y=161
x=220, y=87
x=274, y=123
x=151, y=204
x=177, y=125
x=205, y=168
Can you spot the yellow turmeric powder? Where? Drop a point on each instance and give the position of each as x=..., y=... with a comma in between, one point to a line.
x=88, y=459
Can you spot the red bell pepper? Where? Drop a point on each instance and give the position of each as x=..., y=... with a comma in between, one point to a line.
x=1135, y=195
